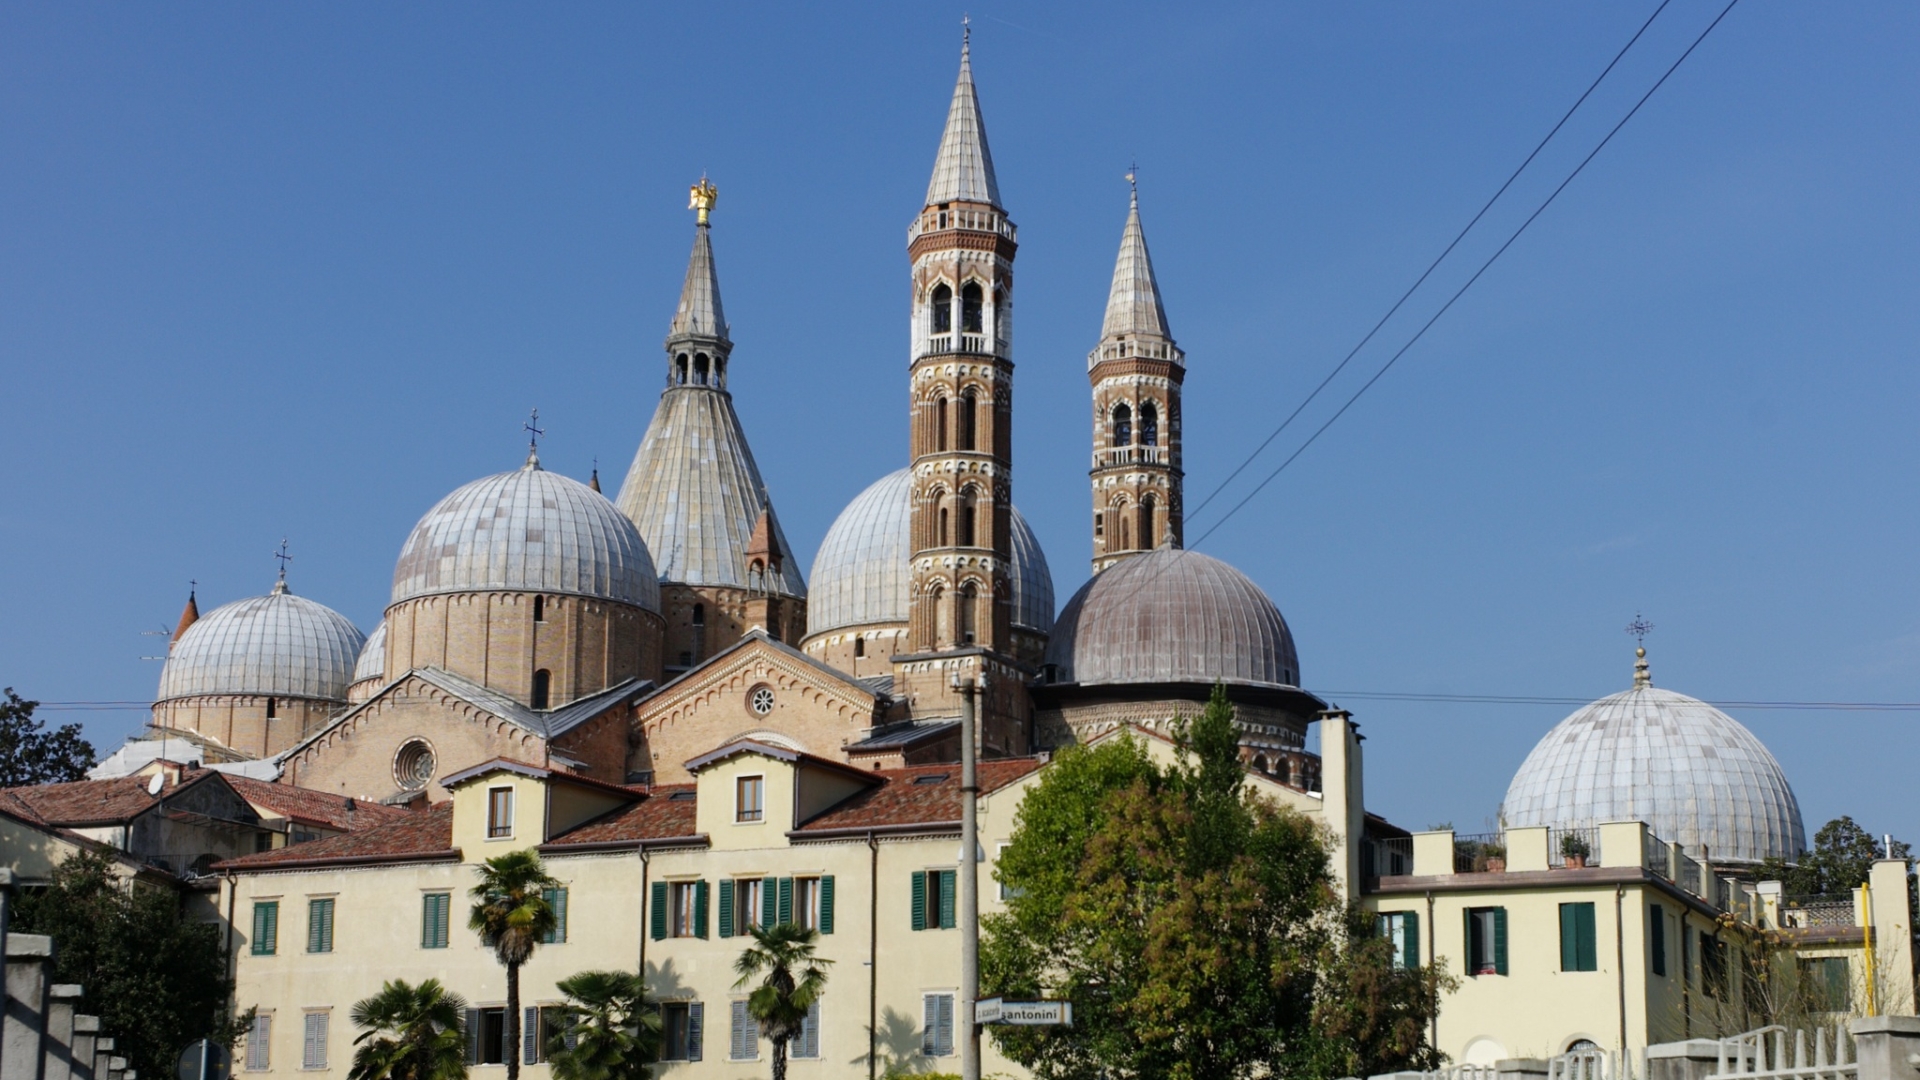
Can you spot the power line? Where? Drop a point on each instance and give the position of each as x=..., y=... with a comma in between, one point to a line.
x=1531, y=218
x=1355, y=351
x=1525, y=699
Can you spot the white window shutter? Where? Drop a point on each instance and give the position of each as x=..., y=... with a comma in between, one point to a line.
x=696, y=1021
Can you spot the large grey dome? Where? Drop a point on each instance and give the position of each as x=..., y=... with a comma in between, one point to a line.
x=278, y=645
x=1694, y=774
x=1172, y=616
x=527, y=531
x=863, y=573
x=372, y=663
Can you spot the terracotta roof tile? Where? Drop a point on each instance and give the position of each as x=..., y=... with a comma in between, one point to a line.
x=921, y=795
x=314, y=807
x=656, y=817
x=89, y=802
x=418, y=833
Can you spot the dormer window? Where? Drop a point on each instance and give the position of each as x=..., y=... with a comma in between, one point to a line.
x=749, y=799
x=499, y=813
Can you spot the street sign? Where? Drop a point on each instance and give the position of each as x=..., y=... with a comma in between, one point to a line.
x=204, y=1060
x=1023, y=1013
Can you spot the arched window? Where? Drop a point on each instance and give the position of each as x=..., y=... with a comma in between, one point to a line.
x=1282, y=771
x=680, y=362
x=967, y=414
x=272, y=708
x=539, y=609
x=1122, y=425
x=859, y=646
x=1145, y=530
x=1149, y=424
x=942, y=309
x=972, y=309
x=939, y=598
x=964, y=535
x=1126, y=530
x=940, y=535
x=969, y=600
x=1260, y=762
x=700, y=369
x=542, y=686
x=699, y=614
x=940, y=425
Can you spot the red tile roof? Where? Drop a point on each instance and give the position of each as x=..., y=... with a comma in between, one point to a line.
x=659, y=816
x=96, y=802
x=312, y=807
x=904, y=800
x=416, y=834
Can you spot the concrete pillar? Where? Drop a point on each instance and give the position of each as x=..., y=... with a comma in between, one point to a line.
x=116, y=1068
x=1527, y=850
x=29, y=963
x=1769, y=903
x=1523, y=1068
x=1892, y=939
x=1433, y=852
x=1623, y=843
x=85, y=1030
x=103, y=1058
x=57, y=1062
x=1886, y=1046
x=1694, y=1059
x=1343, y=796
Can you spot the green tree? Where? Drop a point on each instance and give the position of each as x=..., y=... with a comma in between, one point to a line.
x=29, y=754
x=1843, y=855
x=791, y=979
x=1193, y=925
x=154, y=976
x=411, y=1033
x=511, y=915
x=611, y=1034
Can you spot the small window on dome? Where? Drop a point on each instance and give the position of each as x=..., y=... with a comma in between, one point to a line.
x=272, y=710
x=542, y=688
x=699, y=614
x=859, y=646
x=700, y=369
x=539, y=609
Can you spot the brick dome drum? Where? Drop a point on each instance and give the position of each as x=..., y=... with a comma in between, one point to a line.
x=278, y=645
x=1172, y=616
x=527, y=531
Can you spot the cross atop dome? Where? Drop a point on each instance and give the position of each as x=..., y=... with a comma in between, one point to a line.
x=1640, y=628
x=281, y=585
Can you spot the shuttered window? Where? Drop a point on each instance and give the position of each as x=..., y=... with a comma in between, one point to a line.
x=807, y=1043
x=1486, y=941
x=936, y=1036
x=826, y=904
x=313, y=1054
x=1579, y=950
x=266, y=927
x=1402, y=928
x=320, y=925
x=657, y=911
x=727, y=922
x=557, y=900
x=435, y=909
x=933, y=894
x=260, y=1043
x=769, y=901
x=1657, y=939
x=785, y=914
x=682, y=1022
x=744, y=1043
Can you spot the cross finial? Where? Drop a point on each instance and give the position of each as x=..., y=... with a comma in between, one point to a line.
x=193, y=584
x=966, y=30
x=284, y=560
x=1640, y=628
x=1133, y=181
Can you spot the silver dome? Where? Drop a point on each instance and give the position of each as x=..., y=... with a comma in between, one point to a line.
x=527, y=531
x=1172, y=616
x=1694, y=774
x=863, y=573
x=280, y=645
x=372, y=663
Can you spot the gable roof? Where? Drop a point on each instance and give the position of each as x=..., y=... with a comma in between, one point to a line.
x=419, y=836
x=536, y=772
x=759, y=636
x=657, y=816
x=921, y=796
x=82, y=803
x=310, y=807
x=778, y=753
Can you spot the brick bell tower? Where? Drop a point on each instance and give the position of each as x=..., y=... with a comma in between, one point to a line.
x=1136, y=372
x=961, y=440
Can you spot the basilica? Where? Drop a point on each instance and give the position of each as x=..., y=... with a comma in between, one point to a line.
x=534, y=618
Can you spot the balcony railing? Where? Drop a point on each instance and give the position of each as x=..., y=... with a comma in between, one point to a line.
x=1390, y=856
x=944, y=344
x=936, y=220
x=1807, y=912
x=1573, y=846
x=1471, y=851
x=1108, y=456
x=1128, y=348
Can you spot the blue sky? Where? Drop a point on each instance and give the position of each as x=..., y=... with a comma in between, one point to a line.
x=301, y=270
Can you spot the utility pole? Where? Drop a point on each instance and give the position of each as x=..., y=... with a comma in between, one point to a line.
x=969, y=883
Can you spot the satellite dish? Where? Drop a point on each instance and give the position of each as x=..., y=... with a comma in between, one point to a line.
x=154, y=785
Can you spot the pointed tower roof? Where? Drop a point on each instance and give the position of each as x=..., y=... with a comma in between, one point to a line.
x=963, y=169
x=188, y=616
x=699, y=314
x=765, y=541
x=1133, y=305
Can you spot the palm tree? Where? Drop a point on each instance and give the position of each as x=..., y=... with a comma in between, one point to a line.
x=793, y=979
x=511, y=915
x=412, y=1033
x=613, y=1033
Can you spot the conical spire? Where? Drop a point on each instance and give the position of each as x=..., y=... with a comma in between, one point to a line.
x=699, y=313
x=1133, y=306
x=963, y=170
x=188, y=616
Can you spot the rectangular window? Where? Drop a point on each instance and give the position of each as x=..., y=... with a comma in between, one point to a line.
x=740, y=913
x=744, y=1041
x=807, y=1043
x=1713, y=967
x=1402, y=929
x=1827, y=984
x=806, y=902
x=487, y=1036
x=539, y=1026
x=749, y=797
x=934, y=892
x=266, y=927
x=499, y=813
x=1579, y=950
x=320, y=925
x=1657, y=939
x=313, y=1054
x=557, y=900
x=1486, y=941
x=688, y=909
x=260, y=1043
x=936, y=1036
x=435, y=910
x=680, y=1022
x=1007, y=892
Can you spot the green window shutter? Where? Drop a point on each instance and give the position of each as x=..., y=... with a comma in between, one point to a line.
x=1469, y=955
x=919, y=904
x=696, y=1023
x=726, y=908
x=473, y=1036
x=700, y=908
x=266, y=919
x=658, y=902
x=1569, y=933
x=769, y=902
x=320, y=926
x=785, y=915
x=530, y=1035
x=948, y=889
x=1410, y=932
x=826, y=909
x=1500, y=941
x=556, y=899
x=1589, y=940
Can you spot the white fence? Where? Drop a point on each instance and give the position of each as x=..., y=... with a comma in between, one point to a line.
x=1762, y=1055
